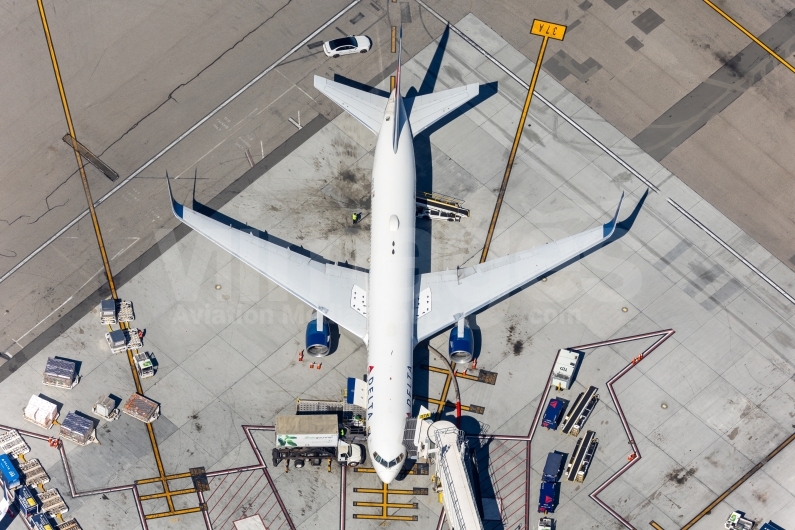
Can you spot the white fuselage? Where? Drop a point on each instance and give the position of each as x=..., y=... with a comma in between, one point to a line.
x=390, y=304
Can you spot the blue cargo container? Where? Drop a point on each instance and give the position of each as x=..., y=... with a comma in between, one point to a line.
x=554, y=413
x=554, y=466
x=548, y=499
x=770, y=525
x=26, y=501
x=9, y=473
x=41, y=522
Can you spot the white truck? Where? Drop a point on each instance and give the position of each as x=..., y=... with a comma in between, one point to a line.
x=565, y=368
x=313, y=438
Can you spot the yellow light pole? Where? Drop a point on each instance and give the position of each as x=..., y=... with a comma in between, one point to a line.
x=548, y=30
x=80, y=166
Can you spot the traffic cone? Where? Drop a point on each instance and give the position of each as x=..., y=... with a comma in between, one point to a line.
x=301, y=356
x=312, y=365
x=319, y=365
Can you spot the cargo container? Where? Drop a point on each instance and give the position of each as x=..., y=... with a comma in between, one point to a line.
x=78, y=429
x=9, y=473
x=553, y=467
x=40, y=412
x=41, y=522
x=26, y=502
x=141, y=408
x=60, y=373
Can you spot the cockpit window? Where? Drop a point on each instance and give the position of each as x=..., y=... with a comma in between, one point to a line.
x=390, y=463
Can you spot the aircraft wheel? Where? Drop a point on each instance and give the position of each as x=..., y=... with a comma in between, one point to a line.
x=336, y=55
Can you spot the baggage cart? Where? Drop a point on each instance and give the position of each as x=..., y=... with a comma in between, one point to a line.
x=78, y=429
x=71, y=524
x=115, y=311
x=60, y=373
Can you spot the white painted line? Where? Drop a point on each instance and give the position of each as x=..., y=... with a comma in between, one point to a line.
x=544, y=100
x=179, y=139
x=733, y=252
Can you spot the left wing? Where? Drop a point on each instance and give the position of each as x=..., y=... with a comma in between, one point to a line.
x=447, y=296
x=328, y=288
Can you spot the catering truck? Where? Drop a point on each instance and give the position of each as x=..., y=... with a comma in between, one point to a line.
x=314, y=438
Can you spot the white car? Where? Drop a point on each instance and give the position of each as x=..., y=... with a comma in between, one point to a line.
x=347, y=45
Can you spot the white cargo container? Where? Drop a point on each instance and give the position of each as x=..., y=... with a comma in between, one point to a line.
x=311, y=430
x=565, y=367
x=40, y=412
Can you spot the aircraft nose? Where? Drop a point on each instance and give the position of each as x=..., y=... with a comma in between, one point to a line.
x=386, y=474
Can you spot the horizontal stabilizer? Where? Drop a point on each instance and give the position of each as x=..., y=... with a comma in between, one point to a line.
x=366, y=107
x=428, y=109
x=461, y=292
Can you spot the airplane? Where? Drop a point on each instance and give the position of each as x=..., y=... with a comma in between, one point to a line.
x=391, y=307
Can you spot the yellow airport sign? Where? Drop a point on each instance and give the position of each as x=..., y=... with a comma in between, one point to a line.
x=543, y=28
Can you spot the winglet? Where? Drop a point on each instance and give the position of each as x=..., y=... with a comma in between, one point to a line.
x=176, y=207
x=609, y=228
x=398, y=100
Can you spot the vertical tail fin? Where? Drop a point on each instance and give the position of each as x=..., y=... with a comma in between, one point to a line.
x=398, y=99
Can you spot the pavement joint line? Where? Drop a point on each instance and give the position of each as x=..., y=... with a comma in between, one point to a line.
x=178, y=140
x=750, y=36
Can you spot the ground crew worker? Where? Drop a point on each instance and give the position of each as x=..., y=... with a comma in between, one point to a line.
x=355, y=217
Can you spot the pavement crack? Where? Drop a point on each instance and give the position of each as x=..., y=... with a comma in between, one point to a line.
x=171, y=94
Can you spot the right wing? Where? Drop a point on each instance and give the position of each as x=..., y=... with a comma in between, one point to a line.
x=447, y=296
x=337, y=292
x=366, y=107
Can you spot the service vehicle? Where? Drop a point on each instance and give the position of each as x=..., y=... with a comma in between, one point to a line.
x=313, y=438
x=144, y=365
x=738, y=521
x=546, y=523
x=580, y=411
x=548, y=498
x=770, y=525
x=9, y=473
x=554, y=412
x=6, y=498
x=347, y=45
x=565, y=368
x=554, y=466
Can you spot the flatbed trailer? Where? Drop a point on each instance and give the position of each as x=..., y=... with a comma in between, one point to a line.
x=52, y=502
x=33, y=473
x=11, y=443
x=578, y=415
x=581, y=457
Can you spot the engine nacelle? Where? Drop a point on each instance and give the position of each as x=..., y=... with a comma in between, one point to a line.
x=462, y=343
x=318, y=336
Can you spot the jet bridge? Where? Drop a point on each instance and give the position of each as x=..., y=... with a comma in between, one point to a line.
x=445, y=446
